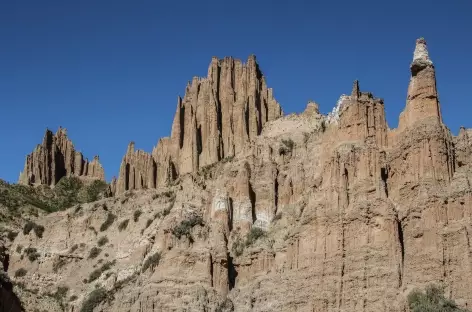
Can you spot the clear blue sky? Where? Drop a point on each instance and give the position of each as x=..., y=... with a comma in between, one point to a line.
x=110, y=71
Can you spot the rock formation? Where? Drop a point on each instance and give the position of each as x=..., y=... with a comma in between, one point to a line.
x=55, y=158
x=217, y=118
x=298, y=213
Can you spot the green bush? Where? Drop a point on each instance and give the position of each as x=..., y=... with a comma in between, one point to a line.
x=32, y=254
x=29, y=225
x=102, y=241
x=98, y=272
x=184, y=228
x=94, y=189
x=20, y=272
x=94, y=252
x=123, y=225
x=12, y=235
x=38, y=230
x=136, y=215
x=432, y=300
x=151, y=262
x=94, y=299
x=254, y=235
x=238, y=247
x=109, y=221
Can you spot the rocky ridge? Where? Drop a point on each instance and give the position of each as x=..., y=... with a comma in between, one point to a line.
x=55, y=158
x=296, y=213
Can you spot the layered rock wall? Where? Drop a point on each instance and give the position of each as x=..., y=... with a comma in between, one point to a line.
x=55, y=158
x=217, y=118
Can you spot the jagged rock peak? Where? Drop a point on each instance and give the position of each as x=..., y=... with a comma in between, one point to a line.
x=218, y=117
x=422, y=99
x=55, y=158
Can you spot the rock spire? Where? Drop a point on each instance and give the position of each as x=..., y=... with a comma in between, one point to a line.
x=55, y=158
x=422, y=99
x=217, y=118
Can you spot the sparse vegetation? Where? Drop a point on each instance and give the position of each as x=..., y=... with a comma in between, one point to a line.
x=286, y=147
x=432, y=300
x=20, y=272
x=184, y=228
x=136, y=215
x=94, y=190
x=12, y=235
x=38, y=230
x=94, y=299
x=151, y=262
x=29, y=225
x=98, y=272
x=94, y=252
x=109, y=221
x=19, y=248
x=227, y=159
x=238, y=247
x=32, y=253
x=73, y=298
x=254, y=235
x=123, y=225
x=102, y=241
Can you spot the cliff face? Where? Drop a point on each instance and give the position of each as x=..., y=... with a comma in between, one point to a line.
x=217, y=118
x=55, y=158
x=313, y=212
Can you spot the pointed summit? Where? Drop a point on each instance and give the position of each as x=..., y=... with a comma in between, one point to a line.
x=422, y=99
x=421, y=58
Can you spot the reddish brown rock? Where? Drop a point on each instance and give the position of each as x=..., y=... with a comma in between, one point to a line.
x=55, y=158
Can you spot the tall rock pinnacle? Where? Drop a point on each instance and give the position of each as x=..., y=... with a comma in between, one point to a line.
x=217, y=117
x=55, y=158
x=422, y=99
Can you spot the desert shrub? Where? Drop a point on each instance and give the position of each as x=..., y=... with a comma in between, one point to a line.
x=286, y=146
x=238, y=247
x=102, y=241
x=136, y=215
x=29, y=225
x=20, y=272
x=94, y=299
x=94, y=189
x=123, y=225
x=109, y=221
x=151, y=262
x=67, y=192
x=98, y=272
x=38, y=230
x=94, y=252
x=12, y=235
x=32, y=254
x=227, y=159
x=19, y=248
x=184, y=228
x=254, y=235
x=73, y=298
x=432, y=300
x=167, y=210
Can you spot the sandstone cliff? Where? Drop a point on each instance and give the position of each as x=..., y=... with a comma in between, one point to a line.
x=313, y=213
x=217, y=118
x=55, y=158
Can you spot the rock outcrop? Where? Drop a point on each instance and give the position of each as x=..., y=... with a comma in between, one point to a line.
x=217, y=118
x=300, y=213
x=55, y=158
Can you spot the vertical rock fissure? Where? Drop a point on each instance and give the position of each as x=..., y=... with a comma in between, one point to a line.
x=252, y=197
x=182, y=126
x=402, y=251
x=127, y=177
x=232, y=273
x=276, y=190
x=384, y=177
